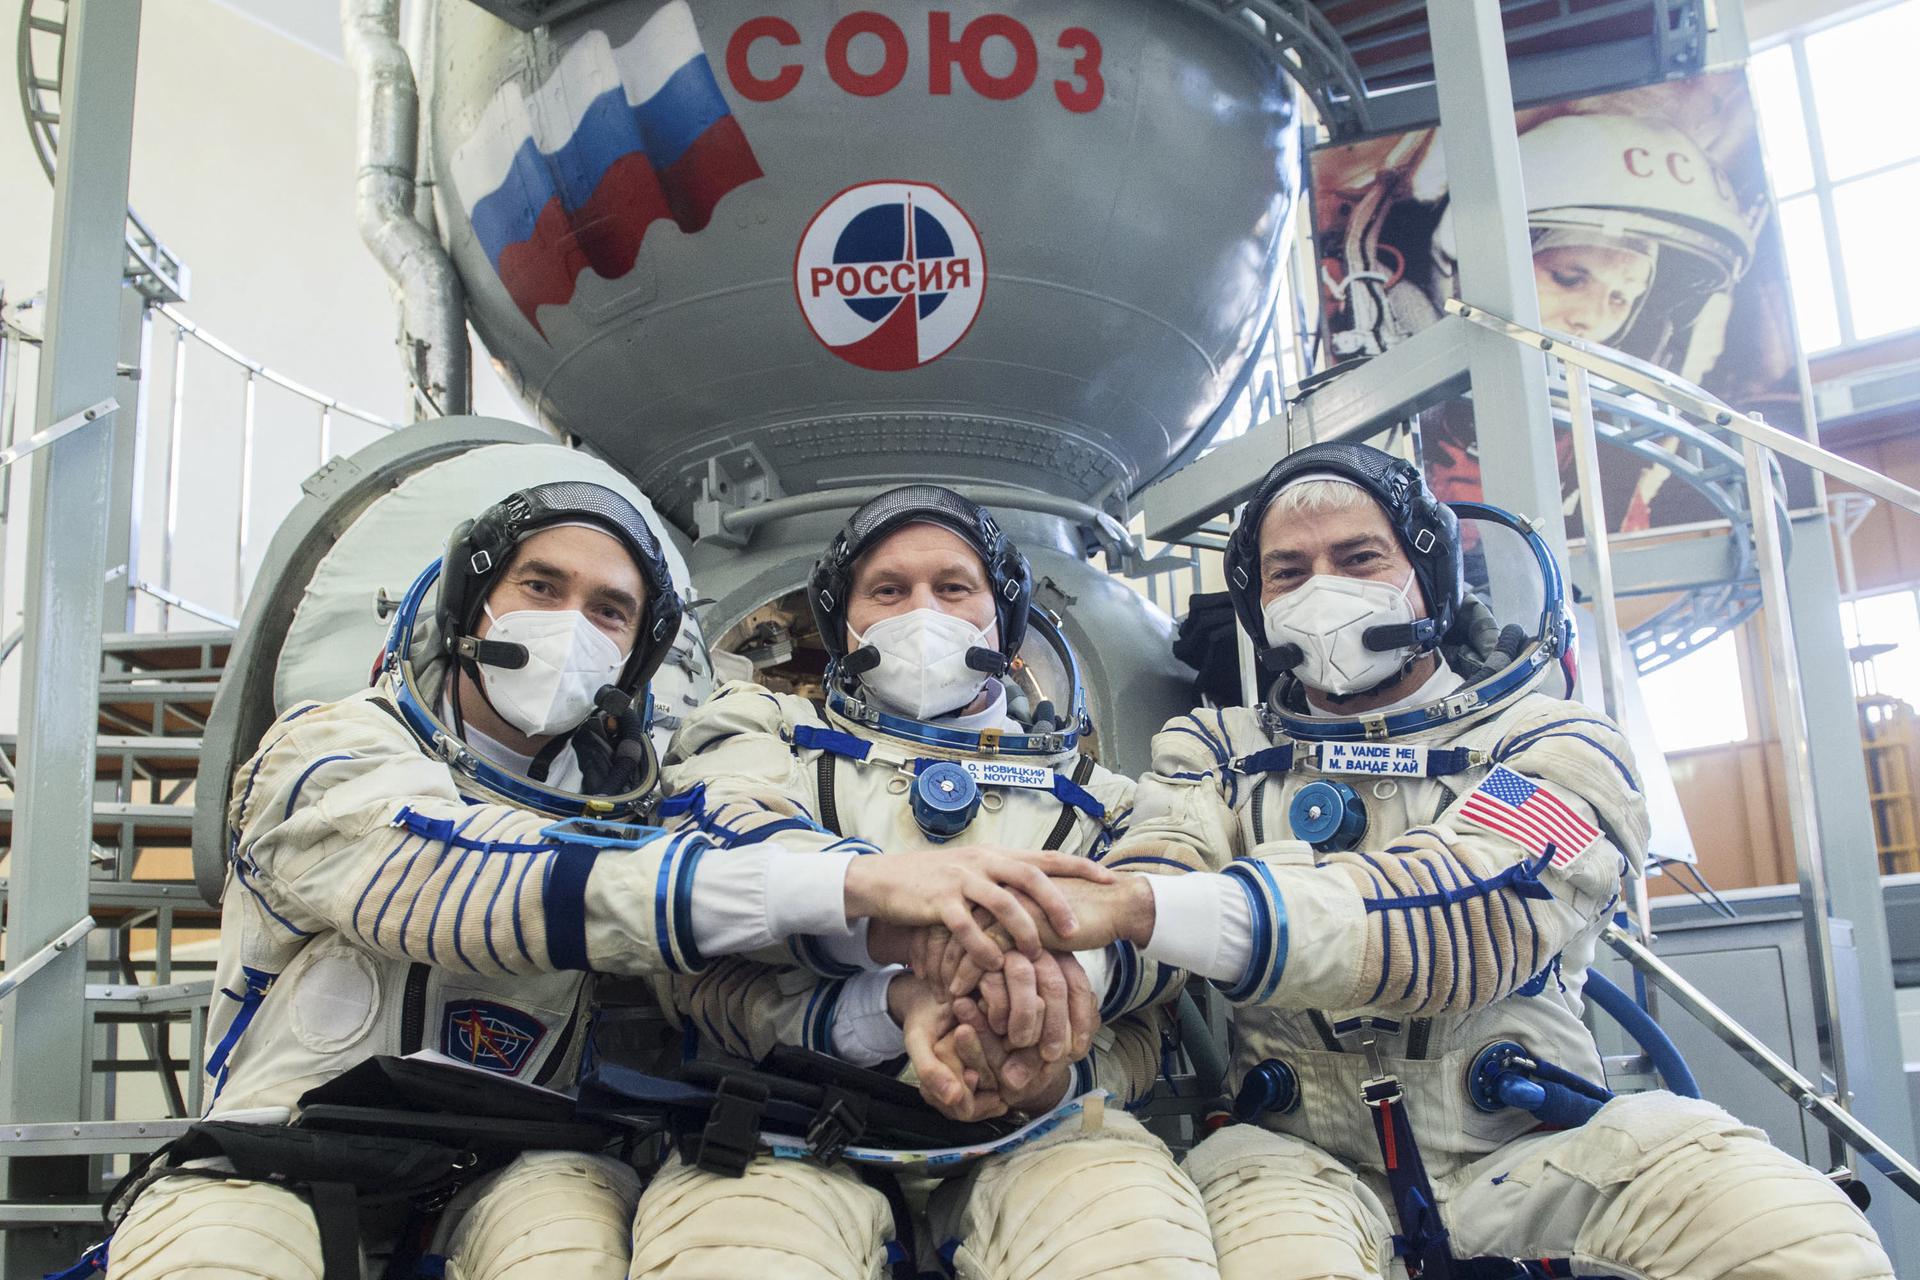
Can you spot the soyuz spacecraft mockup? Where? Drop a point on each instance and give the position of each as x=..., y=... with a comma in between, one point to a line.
x=763, y=261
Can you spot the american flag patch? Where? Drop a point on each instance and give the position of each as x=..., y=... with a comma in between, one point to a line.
x=1530, y=815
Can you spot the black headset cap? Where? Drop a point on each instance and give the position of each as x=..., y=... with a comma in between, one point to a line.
x=1428, y=531
x=480, y=549
x=1007, y=573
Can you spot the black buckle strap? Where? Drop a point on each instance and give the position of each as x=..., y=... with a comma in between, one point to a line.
x=732, y=1132
x=839, y=1123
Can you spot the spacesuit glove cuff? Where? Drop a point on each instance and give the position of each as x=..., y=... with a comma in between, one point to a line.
x=806, y=893
x=864, y=1032
x=1201, y=923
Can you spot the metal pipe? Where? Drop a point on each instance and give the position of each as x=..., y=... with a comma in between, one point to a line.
x=176, y=421
x=246, y=500
x=326, y=434
x=748, y=519
x=19, y=973
x=432, y=307
x=1790, y=726
x=1593, y=518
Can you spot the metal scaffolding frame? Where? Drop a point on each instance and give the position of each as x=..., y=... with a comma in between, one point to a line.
x=67, y=560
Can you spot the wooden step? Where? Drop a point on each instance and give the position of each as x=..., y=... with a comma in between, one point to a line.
x=175, y=654
x=160, y=709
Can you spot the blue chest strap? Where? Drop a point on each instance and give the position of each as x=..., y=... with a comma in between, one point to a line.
x=846, y=745
x=258, y=983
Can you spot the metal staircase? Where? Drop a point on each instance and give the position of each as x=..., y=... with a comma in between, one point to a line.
x=149, y=947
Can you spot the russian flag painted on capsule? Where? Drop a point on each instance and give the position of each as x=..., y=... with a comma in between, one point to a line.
x=573, y=175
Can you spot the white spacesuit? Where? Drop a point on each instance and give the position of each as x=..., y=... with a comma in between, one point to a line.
x=1426, y=849
x=952, y=708
x=407, y=873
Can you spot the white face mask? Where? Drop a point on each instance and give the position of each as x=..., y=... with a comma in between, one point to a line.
x=1326, y=616
x=568, y=660
x=923, y=669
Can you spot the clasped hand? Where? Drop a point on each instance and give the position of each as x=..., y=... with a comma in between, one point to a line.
x=988, y=1039
x=994, y=1007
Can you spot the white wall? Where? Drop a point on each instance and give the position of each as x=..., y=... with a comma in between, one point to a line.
x=243, y=165
x=1769, y=18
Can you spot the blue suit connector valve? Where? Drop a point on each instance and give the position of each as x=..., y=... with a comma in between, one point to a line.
x=1269, y=1087
x=1328, y=815
x=945, y=798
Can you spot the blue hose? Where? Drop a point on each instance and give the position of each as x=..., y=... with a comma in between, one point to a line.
x=1554, y=1104
x=1663, y=1053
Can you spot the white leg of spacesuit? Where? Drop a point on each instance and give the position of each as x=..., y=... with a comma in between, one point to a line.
x=783, y=1220
x=212, y=1229
x=1106, y=1202
x=1283, y=1209
x=1658, y=1187
x=549, y=1213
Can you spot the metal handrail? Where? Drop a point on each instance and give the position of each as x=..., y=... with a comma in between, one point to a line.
x=258, y=370
x=14, y=975
x=1759, y=444
x=65, y=427
x=1651, y=380
x=151, y=267
x=256, y=373
x=1805, y=1093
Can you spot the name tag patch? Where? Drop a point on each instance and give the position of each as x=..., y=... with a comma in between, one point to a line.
x=1005, y=773
x=1380, y=759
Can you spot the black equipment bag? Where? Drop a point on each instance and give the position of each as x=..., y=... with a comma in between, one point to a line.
x=387, y=1132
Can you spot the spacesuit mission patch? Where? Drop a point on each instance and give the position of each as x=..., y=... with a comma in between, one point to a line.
x=493, y=1037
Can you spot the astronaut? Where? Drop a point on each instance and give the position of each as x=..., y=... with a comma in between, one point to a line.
x=952, y=710
x=1427, y=846
x=407, y=873
x=1634, y=230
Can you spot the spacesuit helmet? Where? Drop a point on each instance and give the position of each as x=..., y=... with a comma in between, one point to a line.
x=480, y=549
x=434, y=630
x=1636, y=202
x=830, y=586
x=1632, y=189
x=1030, y=654
x=1495, y=609
x=1425, y=528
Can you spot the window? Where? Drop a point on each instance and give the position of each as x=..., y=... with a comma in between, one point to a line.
x=1698, y=700
x=1845, y=162
x=1889, y=618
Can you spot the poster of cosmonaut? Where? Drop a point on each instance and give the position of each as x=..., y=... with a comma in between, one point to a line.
x=1653, y=233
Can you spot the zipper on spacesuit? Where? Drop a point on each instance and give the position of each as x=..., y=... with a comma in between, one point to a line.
x=413, y=1009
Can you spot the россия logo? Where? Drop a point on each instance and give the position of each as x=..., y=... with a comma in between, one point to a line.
x=890, y=275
